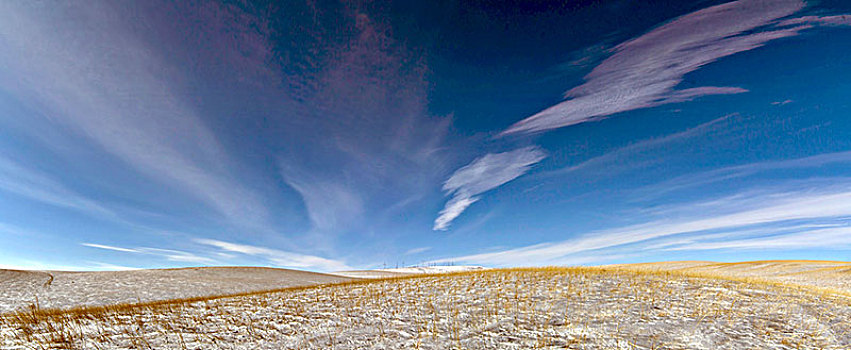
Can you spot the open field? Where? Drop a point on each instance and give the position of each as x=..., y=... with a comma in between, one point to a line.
x=577, y=308
x=58, y=289
x=822, y=275
x=61, y=289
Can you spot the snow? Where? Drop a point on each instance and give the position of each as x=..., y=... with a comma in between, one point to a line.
x=490, y=309
x=59, y=289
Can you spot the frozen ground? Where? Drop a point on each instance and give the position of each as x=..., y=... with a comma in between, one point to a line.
x=575, y=308
x=61, y=289
x=54, y=289
x=831, y=275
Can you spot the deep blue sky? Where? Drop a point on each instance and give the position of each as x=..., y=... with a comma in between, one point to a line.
x=338, y=135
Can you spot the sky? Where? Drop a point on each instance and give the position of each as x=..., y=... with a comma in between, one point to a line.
x=337, y=135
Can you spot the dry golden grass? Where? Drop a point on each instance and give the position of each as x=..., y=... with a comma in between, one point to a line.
x=579, y=308
x=819, y=276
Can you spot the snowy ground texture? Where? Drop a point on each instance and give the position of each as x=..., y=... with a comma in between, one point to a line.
x=58, y=289
x=830, y=275
x=575, y=308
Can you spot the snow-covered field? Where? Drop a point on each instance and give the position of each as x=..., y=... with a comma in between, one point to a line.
x=831, y=275
x=62, y=289
x=406, y=271
x=577, y=308
x=56, y=289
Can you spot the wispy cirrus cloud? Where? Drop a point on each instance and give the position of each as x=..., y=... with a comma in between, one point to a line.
x=277, y=257
x=744, y=170
x=645, y=72
x=36, y=185
x=99, y=79
x=179, y=255
x=771, y=212
x=417, y=250
x=12, y=230
x=481, y=175
x=101, y=266
x=330, y=205
x=109, y=247
x=168, y=254
x=827, y=21
x=828, y=238
x=379, y=146
x=643, y=153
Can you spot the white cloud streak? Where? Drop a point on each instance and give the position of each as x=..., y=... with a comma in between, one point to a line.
x=168, y=254
x=100, y=266
x=452, y=210
x=767, y=209
x=109, y=247
x=278, y=257
x=645, y=71
x=830, y=238
x=739, y=233
x=481, y=175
